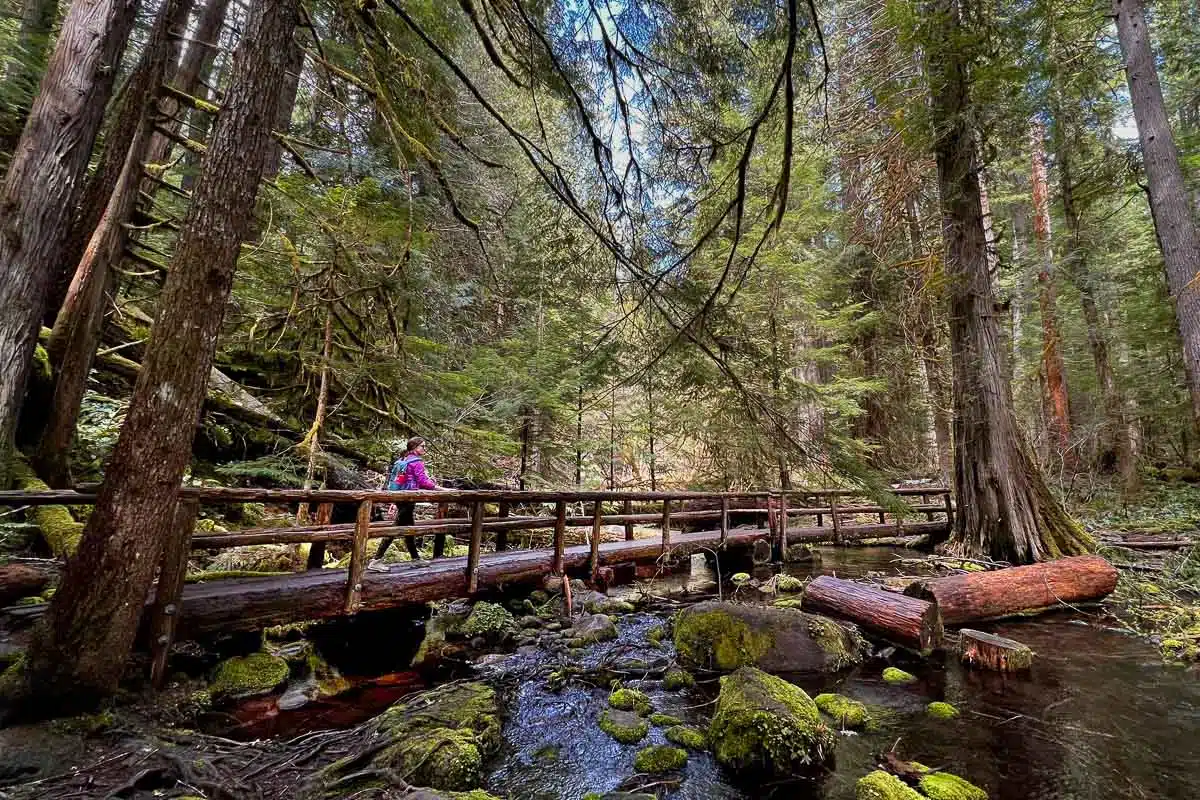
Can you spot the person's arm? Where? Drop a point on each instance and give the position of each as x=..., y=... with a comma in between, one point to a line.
x=421, y=477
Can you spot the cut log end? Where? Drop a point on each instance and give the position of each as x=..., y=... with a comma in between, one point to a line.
x=989, y=651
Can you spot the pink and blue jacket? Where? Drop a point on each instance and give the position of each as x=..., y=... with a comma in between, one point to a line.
x=409, y=473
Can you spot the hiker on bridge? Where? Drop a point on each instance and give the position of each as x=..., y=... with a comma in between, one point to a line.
x=408, y=473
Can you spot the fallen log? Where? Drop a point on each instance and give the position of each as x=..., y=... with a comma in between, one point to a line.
x=989, y=651
x=978, y=596
x=24, y=580
x=905, y=621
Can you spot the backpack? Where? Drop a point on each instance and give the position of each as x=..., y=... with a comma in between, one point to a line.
x=398, y=480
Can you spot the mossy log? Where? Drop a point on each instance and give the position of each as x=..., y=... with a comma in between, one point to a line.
x=989, y=651
x=25, y=580
x=904, y=621
x=59, y=529
x=1032, y=589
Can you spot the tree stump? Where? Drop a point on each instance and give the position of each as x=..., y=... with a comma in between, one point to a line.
x=905, y=621
x=979, y=596
x=989, y=651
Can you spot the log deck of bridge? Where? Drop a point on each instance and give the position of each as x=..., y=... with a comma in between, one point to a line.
x=251, y=603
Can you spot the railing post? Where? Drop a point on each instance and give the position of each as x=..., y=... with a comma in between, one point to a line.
x=597, y=517
x=316, y=550
x=771, y=515
x=781, y=538
x=560, y=535
x=358, y=557
x=833, y=515
x=882, y=517
x=171, y=574
x=724, y=519
x=627, y=508
x=666, y=527
x=502, y=535
x=925, y=502
x=475, y=546
x=949, y=513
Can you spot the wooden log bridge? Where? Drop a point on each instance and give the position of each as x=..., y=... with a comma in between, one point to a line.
x=250, y=603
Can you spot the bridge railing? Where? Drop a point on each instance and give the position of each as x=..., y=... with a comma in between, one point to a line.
x=779, y=507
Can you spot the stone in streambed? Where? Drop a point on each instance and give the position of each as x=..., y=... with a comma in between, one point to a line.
x=941, y=710
x=624, y=726
x=592, y=628
x=896, y=676
x=686, y=736
x=725, y=636
x=944, y=786
x=247, y=676
x=847, y=713
x=630, y=700
x=660, y=758
x=763, y=724
x=678, y=679
x=880, y=785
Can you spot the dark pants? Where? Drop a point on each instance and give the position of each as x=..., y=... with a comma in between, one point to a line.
x=404, y=516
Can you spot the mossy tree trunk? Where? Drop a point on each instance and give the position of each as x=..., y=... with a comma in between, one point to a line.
x=1005, y=508
x=79, y=652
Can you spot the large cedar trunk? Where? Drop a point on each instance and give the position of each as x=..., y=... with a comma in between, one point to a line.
x=43, y=181
x=1006, y=510
x=79, y=654
x=1173, y=216
x=1058, y=417
x=77, y=327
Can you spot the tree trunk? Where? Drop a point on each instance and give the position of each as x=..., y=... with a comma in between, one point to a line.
x=25, y=70
x=905, y=621
x=80, y=653
x=1005, y=507
x=43, y=182
x=1057, y=404
x=1116, y=447
x=1174, y=221
x=287, y=105
x=77, y=328
x=312, y=440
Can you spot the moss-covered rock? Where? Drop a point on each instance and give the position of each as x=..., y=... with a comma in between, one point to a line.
x=247, y=676
x=488, y=620
x=676, y=679
x=846, y=712
x=440, y=738
x=794, y=603
x=765, y=724
x=725, y=636
x=788, y=583
x=880, y=785
x=895, y=675
x=591, y=629
x=687, y=736
x=664, y=720
x=944, y=786
x=446, y=621
x=660, y=758
x=656, y=634
x=624, y=726
x=740, y=578
x=631, y=700
x=608, y=605
x=941, y=710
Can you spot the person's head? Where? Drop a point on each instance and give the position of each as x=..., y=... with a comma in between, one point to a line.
x=415, y=447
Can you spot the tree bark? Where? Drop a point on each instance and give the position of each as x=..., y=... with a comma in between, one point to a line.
x=1005, y=507
x=79, y=654
x=989, y=651
x=1174, y=218
x=78, y=325
x=43, y=182
x=25, y=71
x=904, y=621
x=1057, y=402
x=287, y=105
x=979, y=596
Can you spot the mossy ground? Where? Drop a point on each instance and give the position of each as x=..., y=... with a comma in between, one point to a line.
x=763, y=723
x=846, y=713
x=660, y=758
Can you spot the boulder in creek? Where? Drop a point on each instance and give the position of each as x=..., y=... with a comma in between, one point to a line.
x=592, y=628
x=439, y=739
x=247, y=676
x=764, y=725
x=725, y=636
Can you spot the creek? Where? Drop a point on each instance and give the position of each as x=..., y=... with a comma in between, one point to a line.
x=1099, y=715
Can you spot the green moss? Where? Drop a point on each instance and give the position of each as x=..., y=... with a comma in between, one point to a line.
x=688, y=737
x=655, y=635
x=257, y=673
x=880, y=785
x=848, y=713
x=228, y=574
x=488, y=619
x=548, y=752
x=35, y=600
x=898, y=676
x=718, y=640
x=58, y=528
x=765, y=723
x=944, y=786
x=86, y=725
x=624, y=726
x=631, y=700
x=789, y=602
x=740, y=577
x=474, y=794
x=664, y=720
x=844, y=644
x=607, y=606
x=660, y=758
x=678, y=679
x=788, y=583
x=941, y=710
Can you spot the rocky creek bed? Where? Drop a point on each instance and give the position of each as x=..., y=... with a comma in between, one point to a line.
x=656, y=692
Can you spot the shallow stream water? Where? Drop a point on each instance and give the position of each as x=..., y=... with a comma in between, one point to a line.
x=1099, y=715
